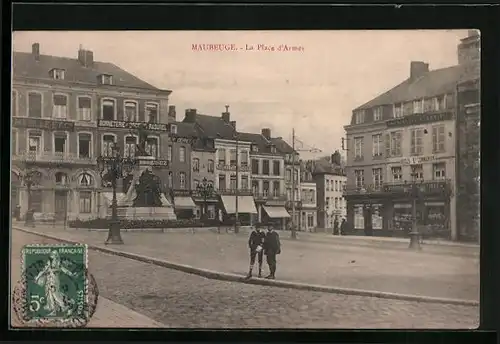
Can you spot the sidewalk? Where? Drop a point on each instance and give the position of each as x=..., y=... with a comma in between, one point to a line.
x=108, y=314
x=344, y=266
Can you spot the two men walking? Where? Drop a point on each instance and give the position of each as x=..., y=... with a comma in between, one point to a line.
x=261, y=243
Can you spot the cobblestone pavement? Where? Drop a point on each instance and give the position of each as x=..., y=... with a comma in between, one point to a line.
x=108, y=313
x=349, y=267
x=177, y=299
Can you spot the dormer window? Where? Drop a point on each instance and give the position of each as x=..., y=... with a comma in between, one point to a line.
x=273, y=149
x=106, y=79
x=57, y=74
x=173, y=129
x=255, y=148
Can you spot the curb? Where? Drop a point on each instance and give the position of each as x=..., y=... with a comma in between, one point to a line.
x=223, y=276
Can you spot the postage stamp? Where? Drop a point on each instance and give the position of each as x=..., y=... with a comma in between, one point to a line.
x=56, y=287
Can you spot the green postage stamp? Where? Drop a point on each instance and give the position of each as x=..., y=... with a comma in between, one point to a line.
x=56, y=287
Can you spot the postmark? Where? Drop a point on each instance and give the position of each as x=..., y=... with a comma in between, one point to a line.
x=56, y=288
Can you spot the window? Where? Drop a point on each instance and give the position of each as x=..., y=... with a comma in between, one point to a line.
x=221, y=156
x=265, y=188
x=182, y=180
x=418, y=106
x=244, y=158
x=310, y=220
x=397, y=111
x=255, y=166
x=276, y=168
x=106, y=79
x=439, y=103
x=407, y=108
x=170, y=180
x=182, y=154
x=232, y=157
x=397, y=173
x=60, y=106
x=377, y=145
x=417, y=142
x=130, y=146
x=359, y=117
x=60, y=146
x=152, y=146
x=196, y=165
x=85, y=202
x=336, y=185
x=61, y=178
x=85, y=180
x=273, y=149
x=108, y=109
x=418, y=172
x=34, y=105
x=211, y=211
x=358, y=148
x=169, y=153
x=255, y=187
x=84, y=109
x=84, y=145
x=327, y=204
x=232, y=182
x=173, y=129
x=57, y=74
x=108, y=141
x=360, y=178
x=429, y=105
x=210, y=166
x=327, y=185
x=130, y=113
x=393, y=144
x=439, y=170
x=377, y=113
x=296, y=175
x=336, y=202
x=222, y=182
x=152, y=113
x=288, y=175
x=289, y=194
x=255, y=148
x=265, y=167
x=377, y=177
x=34, y=142
x=14, y=103
x=14, y=141
x=276, y=188
x=438, y=139
x=244, y=182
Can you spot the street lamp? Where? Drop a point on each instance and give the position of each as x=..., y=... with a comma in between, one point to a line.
x=30, y=178
x=414, y=234
x=112, y=168
x=206, y=190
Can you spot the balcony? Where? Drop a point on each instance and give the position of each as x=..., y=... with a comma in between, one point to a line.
x=427, y=188
x=56, y=158
x=269, y=196
x=232, y=192
x=232, y=167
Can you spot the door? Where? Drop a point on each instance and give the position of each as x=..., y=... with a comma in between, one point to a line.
x=61, y=203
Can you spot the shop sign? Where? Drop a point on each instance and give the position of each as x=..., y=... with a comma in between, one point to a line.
x=132, y=125
x=420, y=119
x=40, y=123
x=416, y=160
x=154, y=163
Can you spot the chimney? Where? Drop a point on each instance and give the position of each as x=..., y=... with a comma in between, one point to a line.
x=190, y=116
x=226, y=116
x=35, y=50
x=336, y=158
x=171, y=113
x=418, y=69
x=266, y=132
x=233, y=124
x=86, y=57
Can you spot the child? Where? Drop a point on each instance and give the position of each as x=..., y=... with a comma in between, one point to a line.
x=256, y=243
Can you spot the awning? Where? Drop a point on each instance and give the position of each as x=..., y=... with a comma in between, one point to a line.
x=246, y=204
x=276, y=212
x=184, y=202
x=434, y=204
x=402, y=205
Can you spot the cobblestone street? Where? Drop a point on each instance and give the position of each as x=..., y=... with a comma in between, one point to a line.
x=181, y=300
x=367, y=268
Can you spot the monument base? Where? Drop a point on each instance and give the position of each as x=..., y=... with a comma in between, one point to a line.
x=145, y=213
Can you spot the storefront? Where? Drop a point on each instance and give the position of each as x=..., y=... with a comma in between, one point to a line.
x=246, y=209
x=276, y=216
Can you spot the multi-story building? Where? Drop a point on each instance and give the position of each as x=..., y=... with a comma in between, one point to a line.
x=406, y=136
x=66, y=112
x=309, y=208
x=330, y=181
x=268, y=177
x=227, y=145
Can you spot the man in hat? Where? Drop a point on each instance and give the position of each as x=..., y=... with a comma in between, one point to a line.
x=256, y=245
x=272, y=247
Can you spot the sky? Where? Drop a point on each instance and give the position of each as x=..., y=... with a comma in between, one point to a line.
x=313, y=90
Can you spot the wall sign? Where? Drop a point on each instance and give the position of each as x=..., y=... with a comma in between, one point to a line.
x=40, y=123
x=131, y=125
x=420, y=119
x=178, y=139
x=416, y=160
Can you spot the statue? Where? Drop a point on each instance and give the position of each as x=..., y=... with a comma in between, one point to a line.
x=148, y=191
x=143, y=139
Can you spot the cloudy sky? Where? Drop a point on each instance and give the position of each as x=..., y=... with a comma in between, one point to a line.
x=313, y=91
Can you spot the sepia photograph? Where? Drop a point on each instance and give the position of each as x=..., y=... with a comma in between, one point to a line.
x=245, y=179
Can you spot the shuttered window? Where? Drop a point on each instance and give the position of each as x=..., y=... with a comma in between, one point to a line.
x=35, y=105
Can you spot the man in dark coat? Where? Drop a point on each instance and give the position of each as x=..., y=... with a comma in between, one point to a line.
x=256, y=245
x=343, y=227
x=272, y=247
x=336, y=226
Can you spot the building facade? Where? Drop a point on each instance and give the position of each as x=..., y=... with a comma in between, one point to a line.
x=401, y=146
x=309, y=208
x=65, y=113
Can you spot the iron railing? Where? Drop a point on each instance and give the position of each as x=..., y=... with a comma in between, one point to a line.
x=55, y=157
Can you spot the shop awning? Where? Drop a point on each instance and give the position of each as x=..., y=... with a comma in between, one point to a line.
x=276, y=212
x=246, y=204
x=184, y=202
x=402, y=205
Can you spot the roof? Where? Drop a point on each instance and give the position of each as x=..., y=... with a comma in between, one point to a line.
x=434, y=83
x=214, y=127
x=186, y=129
x=281, y=145
x=260, y=141
x=24, y=65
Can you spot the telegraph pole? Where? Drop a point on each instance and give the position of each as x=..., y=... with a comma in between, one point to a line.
x=294, y=232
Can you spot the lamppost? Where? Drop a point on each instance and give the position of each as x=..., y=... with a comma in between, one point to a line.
x=414, y=234
x=112, y=168
x=206, y=190
x=30, y=178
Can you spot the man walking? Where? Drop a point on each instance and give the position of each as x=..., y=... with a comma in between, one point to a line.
x=256, y=245
x=343, y=227
x=272, y=247
x=336, y=226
